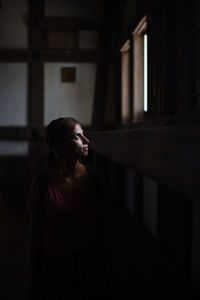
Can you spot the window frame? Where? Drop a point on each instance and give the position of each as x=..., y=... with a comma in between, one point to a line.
x=125, y=82
x=139, y=114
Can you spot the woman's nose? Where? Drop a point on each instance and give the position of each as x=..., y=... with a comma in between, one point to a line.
x=85, y=140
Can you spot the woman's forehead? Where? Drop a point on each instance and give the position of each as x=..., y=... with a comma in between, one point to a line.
x=77, y=129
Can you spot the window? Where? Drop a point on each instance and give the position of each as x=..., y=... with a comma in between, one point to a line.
x=140, y=71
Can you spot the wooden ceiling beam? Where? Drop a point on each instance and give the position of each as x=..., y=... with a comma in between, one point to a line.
x=19, y=133
x=70, y=55
x=65, y=23
x=36, y=8
x=14, y=55
x=50, y=55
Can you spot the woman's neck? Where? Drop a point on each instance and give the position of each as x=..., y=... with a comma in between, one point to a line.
x=68, y=170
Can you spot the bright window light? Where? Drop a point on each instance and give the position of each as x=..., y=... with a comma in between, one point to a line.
x=145, y=74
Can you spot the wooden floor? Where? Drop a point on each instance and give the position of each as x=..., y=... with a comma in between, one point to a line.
x=13, y=254
x=139, y=269
x=135, y=270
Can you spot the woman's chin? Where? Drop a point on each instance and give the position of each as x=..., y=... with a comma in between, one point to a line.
x=84, y=153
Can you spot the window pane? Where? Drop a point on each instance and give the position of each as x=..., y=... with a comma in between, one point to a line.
x=145, y=74
x=140, y=88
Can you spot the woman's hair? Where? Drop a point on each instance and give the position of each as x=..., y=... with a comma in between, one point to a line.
x=57, y=131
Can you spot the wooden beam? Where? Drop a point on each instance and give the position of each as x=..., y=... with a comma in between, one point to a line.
x=65, y=23
x=14, y=55
x=36, y=93
x=36, y=35
x=36, y=8
x=36, y=78
x=70, y=55
x=190, y=118
x=99, y=104
x=16, y=133
x=169, y=156
x=111, y=20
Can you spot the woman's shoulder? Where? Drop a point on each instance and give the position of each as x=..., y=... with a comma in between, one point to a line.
x=38, y=186
x=40, y=178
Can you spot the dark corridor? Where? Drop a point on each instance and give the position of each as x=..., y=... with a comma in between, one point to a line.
x=129, y=72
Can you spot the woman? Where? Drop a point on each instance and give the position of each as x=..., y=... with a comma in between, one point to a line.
x=66, y=218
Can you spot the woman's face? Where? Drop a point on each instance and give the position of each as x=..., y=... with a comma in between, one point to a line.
x=76, y=145
x=79, y=141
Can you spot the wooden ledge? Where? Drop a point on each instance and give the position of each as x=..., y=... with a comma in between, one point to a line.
x=170, y=156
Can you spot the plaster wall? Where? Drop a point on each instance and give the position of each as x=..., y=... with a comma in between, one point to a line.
x=13, y=96
x=13, y=28
x=10, y=148
x=73, y=99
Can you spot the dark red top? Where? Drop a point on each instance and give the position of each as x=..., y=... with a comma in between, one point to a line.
x=70, y=220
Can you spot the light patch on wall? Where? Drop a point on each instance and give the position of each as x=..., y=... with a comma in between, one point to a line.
x=13, y=96
x=13, y=148
x=68, y=74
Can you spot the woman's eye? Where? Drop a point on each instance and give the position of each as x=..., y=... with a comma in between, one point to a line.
x=76, y=136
